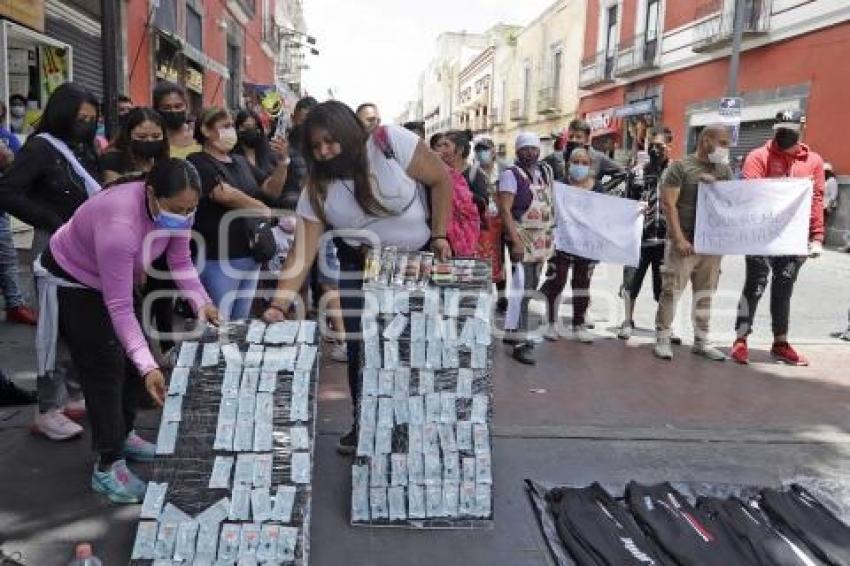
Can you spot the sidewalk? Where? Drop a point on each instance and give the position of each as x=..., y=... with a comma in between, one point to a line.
x=606, y=412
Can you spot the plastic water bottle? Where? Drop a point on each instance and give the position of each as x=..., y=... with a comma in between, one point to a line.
x=83, y=556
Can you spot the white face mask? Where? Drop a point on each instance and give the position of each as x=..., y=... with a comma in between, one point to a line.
x=720, y=156
x=227, y=139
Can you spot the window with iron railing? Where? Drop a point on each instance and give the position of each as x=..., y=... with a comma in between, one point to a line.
x=194, y=28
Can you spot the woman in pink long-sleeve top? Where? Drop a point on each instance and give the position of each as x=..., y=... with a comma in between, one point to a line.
x=99, y=255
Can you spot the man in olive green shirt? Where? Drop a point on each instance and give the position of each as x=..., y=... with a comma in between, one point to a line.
x=679, y=187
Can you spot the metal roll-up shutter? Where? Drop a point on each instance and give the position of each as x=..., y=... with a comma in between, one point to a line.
x=83, y=35
x=751, y=136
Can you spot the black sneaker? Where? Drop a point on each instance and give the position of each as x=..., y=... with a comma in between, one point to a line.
x=347, y=444
x=511, y=339
x=11, y=394
x=675, y=340
x=523, y=354
x=502, y=304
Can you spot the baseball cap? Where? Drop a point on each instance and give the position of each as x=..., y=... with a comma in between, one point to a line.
x=791, y=119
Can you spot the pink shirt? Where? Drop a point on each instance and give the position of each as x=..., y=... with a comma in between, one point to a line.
x=106, y=246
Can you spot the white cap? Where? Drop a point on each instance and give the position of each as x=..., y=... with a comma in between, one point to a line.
x=527, y=139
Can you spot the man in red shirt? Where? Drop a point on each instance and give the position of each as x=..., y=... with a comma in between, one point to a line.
x=782, y=156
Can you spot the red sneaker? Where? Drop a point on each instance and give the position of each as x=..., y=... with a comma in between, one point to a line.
x=783, y=352
x=22, y=315
x=740, y=353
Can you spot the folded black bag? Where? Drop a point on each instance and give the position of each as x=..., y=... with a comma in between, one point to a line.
x=599, y=531
x=807, y=517
x=771, y=544
x=689, y=536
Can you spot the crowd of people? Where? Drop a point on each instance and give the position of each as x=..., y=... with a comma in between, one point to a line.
x=243, y=218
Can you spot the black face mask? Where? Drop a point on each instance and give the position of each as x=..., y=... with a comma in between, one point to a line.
x=174, y=120
x=147, y=149
x=122, y=120
x=656, y=153
x=785, y=138
x=339, y=167
x=294, y=136
x=250, y=137
x=83, y=131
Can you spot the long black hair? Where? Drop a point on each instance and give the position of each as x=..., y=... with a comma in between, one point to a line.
x=266, y=160
x=135, y=117
x=343, y=125
x=61, y=110
x=461, y=139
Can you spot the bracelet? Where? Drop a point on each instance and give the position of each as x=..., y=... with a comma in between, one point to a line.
x=438, y=238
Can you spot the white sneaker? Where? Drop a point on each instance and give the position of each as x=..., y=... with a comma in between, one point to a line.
x=339, y=352
x=536, y=338
x=551, y=333
x=662, y=347
x=56, y=426
x=708, y=351
x=582, y=334
x=626, y=330
x=75, y=410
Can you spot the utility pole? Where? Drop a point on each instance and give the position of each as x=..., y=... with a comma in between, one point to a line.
x=109, y=46
x=735, y=58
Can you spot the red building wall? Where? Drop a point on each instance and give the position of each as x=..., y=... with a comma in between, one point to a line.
x=591, y=29
x=628, y=20
x=138, y=50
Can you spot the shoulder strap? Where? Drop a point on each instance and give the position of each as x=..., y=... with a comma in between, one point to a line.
x=381, y=137
x=546, y=172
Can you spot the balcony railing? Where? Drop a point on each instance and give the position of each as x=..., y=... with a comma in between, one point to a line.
x=597, y=69
x=716, y=32
x=548, y=100
x=496, y=118
x=636, y=55
x=519, y=111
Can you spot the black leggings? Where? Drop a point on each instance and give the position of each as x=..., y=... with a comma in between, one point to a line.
x=105, y=372
x=650, y=256
x=351, y=302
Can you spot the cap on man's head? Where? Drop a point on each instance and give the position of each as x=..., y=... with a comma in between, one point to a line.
x=527, y=139
x=790, y=119
x=484, y=144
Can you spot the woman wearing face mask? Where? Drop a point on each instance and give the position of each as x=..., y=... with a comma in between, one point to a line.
x=361, y=182
x=271, y=157
x=93, y=262
x=53, y=174
x=140, y=143
x=525, y=204
x=453, y=148
x=229, y=183
x=578, y=176
x=169, y=100
x=17, y=114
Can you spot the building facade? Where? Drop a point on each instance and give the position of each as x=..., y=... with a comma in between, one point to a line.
x=537, y=81
x=213, y=49
x=651, y=61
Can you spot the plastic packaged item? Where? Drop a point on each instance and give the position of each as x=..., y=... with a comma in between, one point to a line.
x=416, y=407
x=414, y=439
x=144, y=547
x=433, y=469
x=207, y=542
x=467, y=337
x=244, y=472
x=274, y=333
x=385, y=412
x=433, y=408
x=307, y=332
x=416, y=502
x=479, y=357
x=288, y=542
x=431, y=305
x=172, y=410
x=368, y=411
x=224, y=433
x=383, y=440
x=426, y=381
x=386, y=382
x=300, y=396
x=434, y=328
x=166, y=538
x=261, y=504
x=370, y=382
x=240, y=505
x=154, y=500
x=415, y=468
x=254, y=356
x=372, y=267
x=256, y=330
x=483, y=471
x=481, y=432
x=399, y=270
x=299, y=438
x=249, y=541
x=250, y=381
x=434, y=355
x=166, y=439
x=188, y=353
x=466, y=507
x=306, y=358
x=430, y=439
x=401, y=301
x=360, y=493
x=399, y=469
x=464, y=383
x=179, y=381
x=284, y=501
x=220, y=476
x=378, y=505
x=479, y=409
x=451, y=466
x=268, y=382
x=469, y=470
x=451, y=498
x=184, y=548
x=483, y=501
x=414, y=270
x=215, y=513
x=373, y=355
x=262, y=472
x=418, y=351
x=83, y=556
x=434, y=500
x=378, y=471
x=243, y=437
x=210, y=355
x=483, y=334
x=402, y=410
x=230, y=383
x=464, y=436
x=451, y=302
x=397, y=503
x=447, y=438
x=402, y=383
x=301, y=467
x=269, y=541
x=448, y=407
x=232, y=355
x=387, y=301
x=391, y=357
x=450, y=355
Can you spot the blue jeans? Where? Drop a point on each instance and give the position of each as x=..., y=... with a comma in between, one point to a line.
x=9, y=282
x=232, y=293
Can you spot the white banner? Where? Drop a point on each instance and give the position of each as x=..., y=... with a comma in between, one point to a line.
x=754, y=217
x=597, y=226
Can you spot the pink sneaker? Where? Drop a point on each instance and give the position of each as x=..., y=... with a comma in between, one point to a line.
x=783, y=352
x=55, y=426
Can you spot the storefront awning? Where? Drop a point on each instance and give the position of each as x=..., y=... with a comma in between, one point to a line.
x=635, y=108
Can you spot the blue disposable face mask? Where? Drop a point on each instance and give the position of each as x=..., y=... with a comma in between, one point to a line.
x=172, y=221
x=485, y=157
x=579, y=172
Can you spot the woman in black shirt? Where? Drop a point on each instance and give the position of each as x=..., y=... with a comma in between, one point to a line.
x=141, y=142
x=271, y=157
x=229, y=183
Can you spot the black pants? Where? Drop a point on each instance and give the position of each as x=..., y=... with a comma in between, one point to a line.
x=556, y=279
x=784, y=274
x=351, y=302
x=162, y=309
x=104, y=370
x=650, y=256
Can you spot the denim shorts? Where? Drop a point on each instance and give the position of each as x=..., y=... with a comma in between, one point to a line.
x=327, y=265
